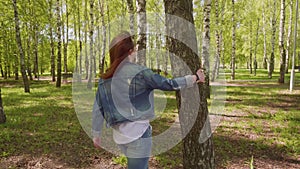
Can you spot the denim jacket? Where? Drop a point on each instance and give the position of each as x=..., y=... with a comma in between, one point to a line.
x=128, y=95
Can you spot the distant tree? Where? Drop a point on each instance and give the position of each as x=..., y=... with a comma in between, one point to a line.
x=2, y=114
x=52, y=56
x=265, y=59
x=281, y=42
x=233, y=42
x=21, y=51
x=218, y=42
x=92, y=56
x=255, y=49
x=58, y=82
x=272, y=57
x=288, y=41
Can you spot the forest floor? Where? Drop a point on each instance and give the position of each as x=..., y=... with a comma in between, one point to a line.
x=259, y=127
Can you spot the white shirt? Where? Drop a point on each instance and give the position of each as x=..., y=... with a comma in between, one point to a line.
x=130, y=131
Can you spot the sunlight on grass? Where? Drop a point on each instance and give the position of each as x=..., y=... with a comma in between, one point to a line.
x=260, y=118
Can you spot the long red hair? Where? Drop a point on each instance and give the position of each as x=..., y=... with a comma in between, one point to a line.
x=119, y=49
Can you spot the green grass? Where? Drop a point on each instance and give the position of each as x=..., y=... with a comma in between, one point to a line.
x=260, y=120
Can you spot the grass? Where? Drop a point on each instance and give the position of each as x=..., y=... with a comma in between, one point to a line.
x=260, y=121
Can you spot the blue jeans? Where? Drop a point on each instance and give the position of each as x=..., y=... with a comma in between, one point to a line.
x=138, y=151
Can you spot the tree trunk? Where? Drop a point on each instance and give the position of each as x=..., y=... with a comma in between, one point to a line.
x=79, y=38
x=272, y=57
x=85, y=39
x=91, y=33
x=2, y=114
x=265, y=59
x=131, y=17
x=16, y=65
x=52, y=57
x=218, y=45
x=102, y=59
x=233, y=43
x=58, y=82
x=19, y=43
x=206, y=45
x=141, y=31
x=288, y=42
x=281, y=42
x=251, y=51
x=76, y=44
x=196, y=154
x=255, y=50
x=29, y=52
x=65, y=41
x=292, y=79
x=36, y=56
x=157, y=44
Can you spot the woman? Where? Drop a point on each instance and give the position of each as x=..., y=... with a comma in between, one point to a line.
x=125, y=100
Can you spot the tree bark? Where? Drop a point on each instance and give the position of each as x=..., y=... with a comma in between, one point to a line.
x=2, y=114
x=141, y=31
x=206, y=45
x=19, y=43
x=251, y=51
x=91, y=33
x=79, y=38
x=281, y=42
x=85, y=39
x=65, y=41
x=233, y=43
x=292, y=79
x=265, y=59
x=272, y=57
x=288, y=42
x=29, y=52
x=196, y=154
x=102, y=59
x=76, y=42
x=52, y=57
x=218, y=45
x=36, y=52
x=131, y=15
x=255, y=50
x=58, y=82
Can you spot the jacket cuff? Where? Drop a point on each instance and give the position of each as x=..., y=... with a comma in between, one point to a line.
x=96, y=133
x=189, y=81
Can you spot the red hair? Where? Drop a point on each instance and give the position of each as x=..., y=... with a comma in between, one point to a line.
x=119, y=49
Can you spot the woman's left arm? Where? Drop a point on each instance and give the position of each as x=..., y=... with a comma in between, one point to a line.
x=156, y=81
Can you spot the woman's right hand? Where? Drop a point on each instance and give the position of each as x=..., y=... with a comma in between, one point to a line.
x=97, y=142
x=201, y=76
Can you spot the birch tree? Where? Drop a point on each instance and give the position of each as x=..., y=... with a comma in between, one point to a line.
x=265, y=58
x=2, y=114
x=281, y=42
x=272, y=57
x=288, y=41
x=21, y=51
x=141, y=32
x=195, y=154
x=233, y=42
x=52, y=57
x=218, y=42
x=102, y=59
x=255, y=49
x=58, y=82
x=206, y=44
x=131, y=15
x=91, y=34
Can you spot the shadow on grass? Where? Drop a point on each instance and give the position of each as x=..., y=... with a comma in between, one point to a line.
x=231, y=149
